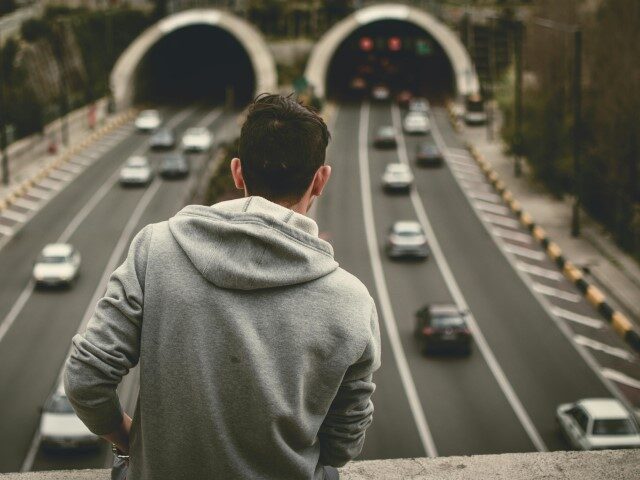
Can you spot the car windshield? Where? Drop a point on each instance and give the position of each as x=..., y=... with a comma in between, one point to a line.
x=617, y=426
x=149, y=114
x=58, y=404
x=53, y=259
x=447, y=321
x=137, y=163
x=386, y=132
x=408, y=231
x=196, y=131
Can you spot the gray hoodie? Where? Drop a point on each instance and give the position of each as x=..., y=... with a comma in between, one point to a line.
x=256, y=350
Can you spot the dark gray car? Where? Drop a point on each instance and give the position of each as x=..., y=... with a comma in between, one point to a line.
x=163, y=139
x=174, y=165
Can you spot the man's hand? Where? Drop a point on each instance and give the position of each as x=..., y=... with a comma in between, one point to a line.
x=120, y=437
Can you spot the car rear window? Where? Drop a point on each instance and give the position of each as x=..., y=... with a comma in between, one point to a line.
x=618, y=426
x=452, y=321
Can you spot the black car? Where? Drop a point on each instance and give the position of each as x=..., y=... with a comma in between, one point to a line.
x=163, y=139
x=442, y=328
x=428, y=155
x=174, y=165
x=385, y=138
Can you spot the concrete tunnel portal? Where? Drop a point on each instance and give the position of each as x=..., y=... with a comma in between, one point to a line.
x=195, y=55
x=395, y=45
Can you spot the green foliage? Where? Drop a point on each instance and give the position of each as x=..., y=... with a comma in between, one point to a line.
x=221, y=186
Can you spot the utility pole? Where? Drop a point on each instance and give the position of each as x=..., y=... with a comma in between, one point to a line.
x=3, y=122
x=577, y=131
x=517, y=37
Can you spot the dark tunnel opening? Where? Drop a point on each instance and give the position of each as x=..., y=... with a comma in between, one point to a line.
x=196, y=63
x=396, y=54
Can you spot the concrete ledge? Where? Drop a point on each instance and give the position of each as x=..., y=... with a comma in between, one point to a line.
x=610, y=464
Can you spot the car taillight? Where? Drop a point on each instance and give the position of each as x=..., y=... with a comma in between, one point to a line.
x=427, y=331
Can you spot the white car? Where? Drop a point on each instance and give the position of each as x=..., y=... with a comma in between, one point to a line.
x=197, y=139
x=597, y=424
x=148, y=120
x=406, y=239
x=419, y=104
x=416, y=123
x=136, y=171
x=397, y=176
x=57, y=265
x=380, y=92
x=61, y=428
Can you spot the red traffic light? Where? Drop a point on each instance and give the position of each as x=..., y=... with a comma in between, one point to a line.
x=366, y=44
x=394, y=44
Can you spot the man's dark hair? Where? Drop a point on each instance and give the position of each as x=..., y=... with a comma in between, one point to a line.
x=282, y=145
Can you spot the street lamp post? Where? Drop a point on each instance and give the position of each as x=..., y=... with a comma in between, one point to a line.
x=3, y=126
x=573, y=29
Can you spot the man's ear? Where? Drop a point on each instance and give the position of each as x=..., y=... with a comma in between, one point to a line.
x=236, y=173
x=320, y=179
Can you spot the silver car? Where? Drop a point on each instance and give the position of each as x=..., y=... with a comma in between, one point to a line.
x=597, y=424
x=60, y=428
x=397, y=177
x=136, y=171
x=406, y=239
x=57, y=265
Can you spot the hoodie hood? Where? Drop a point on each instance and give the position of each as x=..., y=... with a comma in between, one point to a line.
x=252, y=243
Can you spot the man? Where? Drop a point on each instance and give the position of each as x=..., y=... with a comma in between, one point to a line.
x=256, y=350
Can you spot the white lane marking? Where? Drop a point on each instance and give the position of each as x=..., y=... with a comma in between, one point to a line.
x=456, y=293
x=469, y=177
x=7, y=232
x=464, y=168
x=546, y=305
x=577, y=318
x=498, y=220
x=50, y=184
x=458, y=151
x=91, y=155
x=58, y=175
x=16, y=309
x=476, y=187
x=26, y=204
x=210, y=118
x=512, y=235
x=603, y=347
x=487, y=197
x=491, y=207
x=468, y=163
x=620, y=377
x=112, y=263
x=71, y=228
x=13, y=215
x=33, y=451
x=556, y=292
x=383, y=293
x=39, y=193
x=71, y=168
x=525, y=252
x=539, y=271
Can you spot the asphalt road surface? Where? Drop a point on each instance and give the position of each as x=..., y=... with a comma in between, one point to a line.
x=502, y=398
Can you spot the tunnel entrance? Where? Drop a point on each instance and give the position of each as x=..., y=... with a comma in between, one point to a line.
x=394, y=54
x=195, y=63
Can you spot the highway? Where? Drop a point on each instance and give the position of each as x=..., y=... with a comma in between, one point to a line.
x=92, y=212
x=502, y=398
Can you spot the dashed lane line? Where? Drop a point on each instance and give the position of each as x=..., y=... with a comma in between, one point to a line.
x=577, y=318
x=58, y=175
x=388, y=316
x=511, y=235
x=50, y=184
x=456, y=293
x=487, y=197
x=7, y=232
x=71, y=168
x=603, y=347
x=539, y=271
x=40, y=193
x=557, y=293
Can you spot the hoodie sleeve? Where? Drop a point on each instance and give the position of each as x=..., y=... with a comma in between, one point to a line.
x=343, y=430
x=110, y=346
